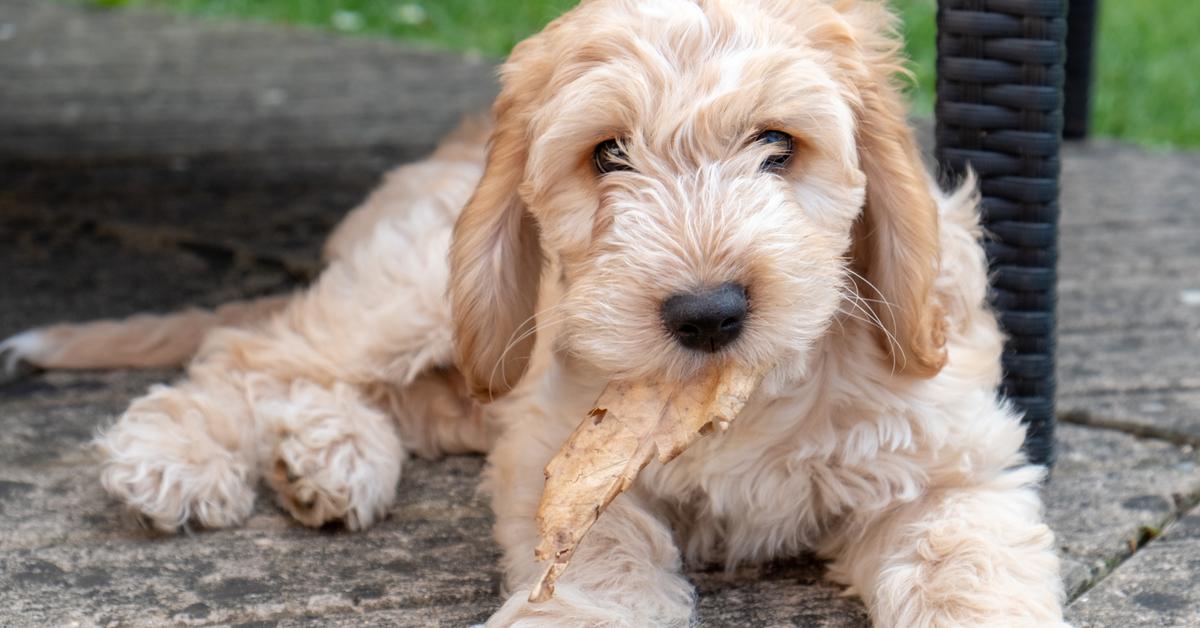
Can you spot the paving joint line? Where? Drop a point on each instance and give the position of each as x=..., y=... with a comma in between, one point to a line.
x=1140, y=430
x=1184, y=505
x=1142, y=388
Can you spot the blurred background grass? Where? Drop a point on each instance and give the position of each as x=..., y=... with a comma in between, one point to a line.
x=1148, y=58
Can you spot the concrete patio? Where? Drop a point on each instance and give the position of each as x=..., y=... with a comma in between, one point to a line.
x=149, y=161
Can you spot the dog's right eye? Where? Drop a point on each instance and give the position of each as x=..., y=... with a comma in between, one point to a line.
x=610, y=157
x=782, y=144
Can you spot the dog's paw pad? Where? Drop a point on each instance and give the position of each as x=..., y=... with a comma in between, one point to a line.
x=333, y=483
x=311, y=501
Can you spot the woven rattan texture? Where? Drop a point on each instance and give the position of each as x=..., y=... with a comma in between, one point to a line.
x=999, y=112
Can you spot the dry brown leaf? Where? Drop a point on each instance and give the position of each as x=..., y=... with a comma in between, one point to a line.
x=631, y=422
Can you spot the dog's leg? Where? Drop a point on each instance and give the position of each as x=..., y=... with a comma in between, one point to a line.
x=256, y=402
x=298, y=396
x=436, y=415
x=194, y=450
x=967, y=555
x=626, y=572
x=364, y=352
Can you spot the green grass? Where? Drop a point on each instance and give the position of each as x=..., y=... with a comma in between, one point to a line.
x=1148, y=57
x=488, y=27
x=1148, y=62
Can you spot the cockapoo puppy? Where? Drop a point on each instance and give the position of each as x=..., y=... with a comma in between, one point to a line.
x=666, y=184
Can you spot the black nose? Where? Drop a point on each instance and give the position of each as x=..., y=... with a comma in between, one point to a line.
x=708, y=320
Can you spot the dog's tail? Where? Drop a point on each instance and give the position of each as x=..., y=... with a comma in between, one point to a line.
x=140, y=341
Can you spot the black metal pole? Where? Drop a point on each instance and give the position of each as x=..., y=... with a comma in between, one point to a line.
x=1081, y=35
x=999, y=112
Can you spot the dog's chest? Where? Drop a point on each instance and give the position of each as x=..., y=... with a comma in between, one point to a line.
x=781, y=478
x=785, y=476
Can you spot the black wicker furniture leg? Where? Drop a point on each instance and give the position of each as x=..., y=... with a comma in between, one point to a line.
x=1000, y=112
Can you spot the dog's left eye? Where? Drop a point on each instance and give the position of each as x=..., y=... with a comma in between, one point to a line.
x=781, y=147
x=610, y=157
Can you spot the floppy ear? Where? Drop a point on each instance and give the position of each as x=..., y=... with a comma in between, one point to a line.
x=896, y=241
x=495, y=267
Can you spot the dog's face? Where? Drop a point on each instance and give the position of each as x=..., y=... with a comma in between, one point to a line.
x=714, y=181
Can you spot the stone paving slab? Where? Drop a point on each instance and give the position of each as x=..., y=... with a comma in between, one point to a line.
x=63, y=504
x=237, y=133
x=1129, y=290
x=1141, y=380
x=1157, y=587
x=104, y=391
x=88, y=82
x=233, y=579
x=1168, y=414
x=1109, y=184
x=217, y=207
x=780, y=594
x=64, y=270
x=429, y=558
x=1107, y=489
x=1128, y=303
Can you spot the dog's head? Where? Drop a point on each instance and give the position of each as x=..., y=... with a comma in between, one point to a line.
x=712, y=180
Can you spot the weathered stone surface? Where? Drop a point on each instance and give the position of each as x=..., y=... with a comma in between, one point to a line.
x=1126, y=252
x=1116, y=303
x=779, y=594
x=1108, y=184
x=1106, y=489
x=44, y=436
x=47, y=420
x=1129, y=361
x=1160, y=586
x=234, y=579
x=1145, y=380
x=1171, y=413
x=1129, y=290
x=1076, y=576
x=63, y=271
x=226, y=212
x=227, y=134
x=433, y=553
x=48, y=505
x=79, y=82
x=102, y=391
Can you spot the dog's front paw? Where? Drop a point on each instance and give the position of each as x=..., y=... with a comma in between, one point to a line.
x=151, y=468
x=962, y=574
x=568, y=608
x=335, y=460
x=332, y=483
x=573, y=608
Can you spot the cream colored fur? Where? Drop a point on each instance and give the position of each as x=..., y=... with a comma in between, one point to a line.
x=877, y=440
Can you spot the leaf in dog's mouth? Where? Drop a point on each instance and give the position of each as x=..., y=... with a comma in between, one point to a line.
x=631, y=423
